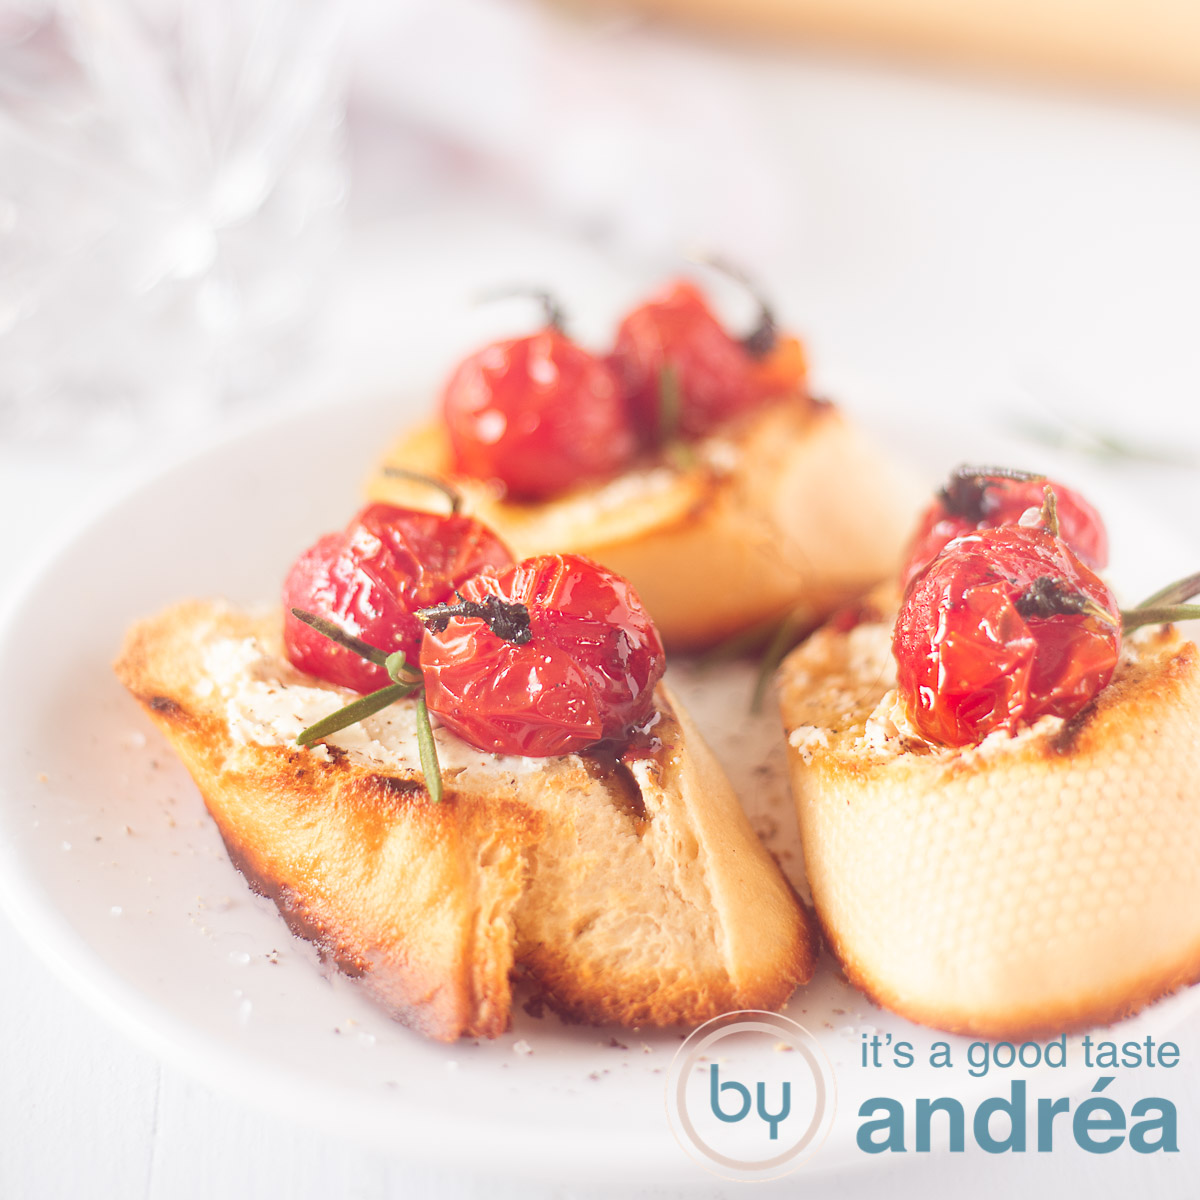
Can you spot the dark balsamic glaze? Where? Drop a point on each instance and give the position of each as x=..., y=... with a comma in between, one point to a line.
x=608, y=762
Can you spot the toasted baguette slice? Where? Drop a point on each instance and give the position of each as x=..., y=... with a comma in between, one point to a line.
x=792, y=509
x=628, y=892
x=1026, y=886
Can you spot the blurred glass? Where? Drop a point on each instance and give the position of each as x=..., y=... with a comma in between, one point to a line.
x=171, y=179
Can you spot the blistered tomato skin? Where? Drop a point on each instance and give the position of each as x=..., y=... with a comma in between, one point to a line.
x=988, y=501
x=718, y=378
x=540, y=414
x=973, y=652
x=371, y=578
x=587, y=673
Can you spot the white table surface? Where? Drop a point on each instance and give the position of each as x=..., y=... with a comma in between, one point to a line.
x=970, y=246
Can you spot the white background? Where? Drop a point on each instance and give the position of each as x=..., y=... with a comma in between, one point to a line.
x=973, y=250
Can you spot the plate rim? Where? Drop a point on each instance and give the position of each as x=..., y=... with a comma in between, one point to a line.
x=397, y=1128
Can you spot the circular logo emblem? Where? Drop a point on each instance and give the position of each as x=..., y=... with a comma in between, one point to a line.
x=750, y=1095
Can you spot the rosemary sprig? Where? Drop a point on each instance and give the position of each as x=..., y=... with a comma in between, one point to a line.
x=399, y=670
x=1098, y=444
x=1166, y=606
x=1165, y=614
x=335, y=633
x=406, y=681
x=786, y=636
x=772, y=639
x=670, y=409
x=357, y=710
x=428, y=748
x=668, y=402
x=753, y=637
x=1174, y=593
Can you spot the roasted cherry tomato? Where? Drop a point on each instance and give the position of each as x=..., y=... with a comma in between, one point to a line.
x=982, y=500
x=717, y=376
x=370, y=580
x=539, y=413
x=1006, y=625
x=564, y=656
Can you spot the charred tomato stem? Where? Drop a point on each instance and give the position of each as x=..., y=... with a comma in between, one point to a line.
x=964, y=491
x=505, y=619
x=451, y=494
x=761, y=340
x=552, y=310
x=1050, y=597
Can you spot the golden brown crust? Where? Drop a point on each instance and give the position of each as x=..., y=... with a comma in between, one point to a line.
x=793, y=509
x=433, y=907
x=321, y=838
x=1125, y=999
x=1018, y=888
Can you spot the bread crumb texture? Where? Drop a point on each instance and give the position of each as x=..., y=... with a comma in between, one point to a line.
x=1020, y=887
x=637, y=895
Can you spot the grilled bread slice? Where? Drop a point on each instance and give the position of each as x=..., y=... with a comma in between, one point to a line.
x=1022, y=887
x=628, y=890
x=792, y=509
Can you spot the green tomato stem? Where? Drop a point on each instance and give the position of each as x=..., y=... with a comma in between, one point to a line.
x=1050, y=511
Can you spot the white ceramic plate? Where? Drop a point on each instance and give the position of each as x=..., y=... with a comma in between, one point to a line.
x=110, y=866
